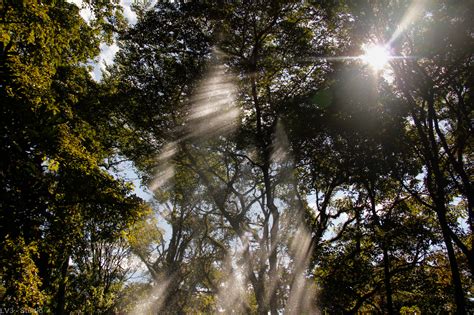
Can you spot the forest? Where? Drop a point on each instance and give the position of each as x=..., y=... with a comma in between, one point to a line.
x=293, y=157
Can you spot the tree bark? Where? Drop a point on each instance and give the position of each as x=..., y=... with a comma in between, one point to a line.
x=61, y=295
x=265, y=152
x=456, y=277
x=434, y=177
x=388, y=285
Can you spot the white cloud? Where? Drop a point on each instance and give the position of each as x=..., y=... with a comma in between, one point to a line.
x=85, y=11
x=106, y=57
x=127, y=11
x=107, y=52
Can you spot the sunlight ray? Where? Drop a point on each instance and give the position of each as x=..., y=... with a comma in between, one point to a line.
x=410, y=16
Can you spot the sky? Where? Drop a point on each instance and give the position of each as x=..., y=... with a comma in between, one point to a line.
x=107, y=52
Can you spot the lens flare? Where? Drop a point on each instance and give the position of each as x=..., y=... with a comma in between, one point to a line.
x=376, y=56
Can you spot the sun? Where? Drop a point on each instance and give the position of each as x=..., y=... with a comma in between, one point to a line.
x=376, y=56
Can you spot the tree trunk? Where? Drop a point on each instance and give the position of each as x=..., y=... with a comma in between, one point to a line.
x=388, y=286
x=456, y=278
x=273, y=264
x=61, y=295
x=263, y=145
x=431, y=159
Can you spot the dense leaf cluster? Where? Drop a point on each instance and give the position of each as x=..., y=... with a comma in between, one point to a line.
x=60, y=208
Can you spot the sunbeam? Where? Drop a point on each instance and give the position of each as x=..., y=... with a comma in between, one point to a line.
x=212, y=112
x=409, y=17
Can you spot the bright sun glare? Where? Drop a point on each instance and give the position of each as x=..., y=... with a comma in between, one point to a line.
x=376, y=56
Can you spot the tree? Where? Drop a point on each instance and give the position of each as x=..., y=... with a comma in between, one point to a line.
x=52, y=179
x=359, y=264
x=281, y=166
x=183, y=266
x=97, y=276
x=271, y=49
x=437, y=105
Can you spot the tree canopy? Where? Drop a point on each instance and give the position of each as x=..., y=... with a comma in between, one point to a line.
x=303, y=157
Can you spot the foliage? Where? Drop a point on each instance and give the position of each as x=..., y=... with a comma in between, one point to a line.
x=55, y=192
x=20, y=270
x=287, y=175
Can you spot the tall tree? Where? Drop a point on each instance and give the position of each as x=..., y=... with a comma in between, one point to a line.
x=52, y=179
x=303, y=130
x=434, y=81
x=268, y=47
